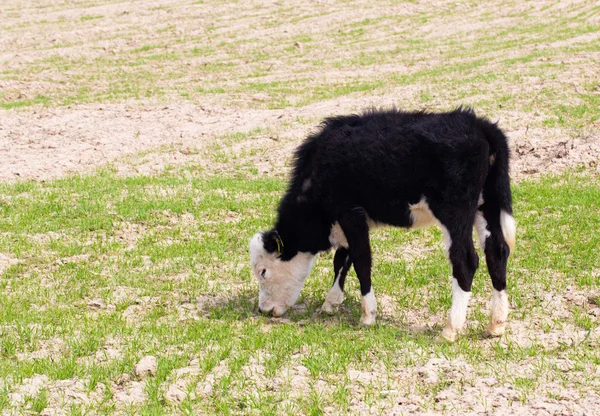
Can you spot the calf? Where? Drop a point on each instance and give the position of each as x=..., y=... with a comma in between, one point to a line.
x=404, y=169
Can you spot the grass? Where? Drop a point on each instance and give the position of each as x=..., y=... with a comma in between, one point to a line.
x=98, y=271
x=165, y=257
x=213, y=61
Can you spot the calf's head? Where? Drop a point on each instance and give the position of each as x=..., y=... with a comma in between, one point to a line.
x=280, y=280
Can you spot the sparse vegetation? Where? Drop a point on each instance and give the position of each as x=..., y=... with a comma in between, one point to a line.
x=101, y=269
x=118, y=268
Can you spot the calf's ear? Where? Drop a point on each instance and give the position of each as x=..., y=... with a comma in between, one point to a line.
x=272, y=242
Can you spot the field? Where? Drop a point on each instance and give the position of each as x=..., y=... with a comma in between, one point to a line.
x=144, y=142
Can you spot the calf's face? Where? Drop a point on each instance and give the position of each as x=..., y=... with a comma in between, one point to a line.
x=280, y=281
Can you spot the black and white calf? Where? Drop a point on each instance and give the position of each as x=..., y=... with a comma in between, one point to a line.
x=405, y=169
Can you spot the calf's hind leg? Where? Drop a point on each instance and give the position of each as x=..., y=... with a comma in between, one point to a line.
x=496, y=254
x=464, y=261
x=341, y=265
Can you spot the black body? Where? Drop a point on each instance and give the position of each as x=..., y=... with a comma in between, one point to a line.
x=376, y=164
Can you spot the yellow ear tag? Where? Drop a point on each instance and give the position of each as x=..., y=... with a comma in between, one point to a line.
x=279, y=245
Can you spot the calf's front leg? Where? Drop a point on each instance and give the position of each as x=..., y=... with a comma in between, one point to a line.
x=355, y=227
x=341, y=265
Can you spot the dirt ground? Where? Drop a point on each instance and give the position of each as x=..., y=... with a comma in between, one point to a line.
x=48, y=143
x=56, y=49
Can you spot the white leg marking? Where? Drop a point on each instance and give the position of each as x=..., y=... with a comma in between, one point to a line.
x=482, y=232
x=499, y=314
x=458, y=311
x=335, y=297
x=369, y=309
x=509, y=229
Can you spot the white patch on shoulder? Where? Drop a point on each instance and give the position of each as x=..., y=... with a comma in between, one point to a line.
x=509, y=229
x=337, y=238
x=481, y=227
x=421, y=215
x=369, y=308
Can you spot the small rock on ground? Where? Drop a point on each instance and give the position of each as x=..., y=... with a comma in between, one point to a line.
x=175, y=394
x=147, y=366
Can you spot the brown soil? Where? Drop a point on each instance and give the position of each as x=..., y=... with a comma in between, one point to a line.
x=51, y=143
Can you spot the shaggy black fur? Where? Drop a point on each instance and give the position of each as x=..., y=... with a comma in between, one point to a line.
x=376, y=164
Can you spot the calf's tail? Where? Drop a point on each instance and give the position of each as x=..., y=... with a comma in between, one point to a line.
x=496, y=190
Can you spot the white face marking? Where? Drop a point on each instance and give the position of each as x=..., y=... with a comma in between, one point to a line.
x=337, y=237
x=481, y=226
x=458, y=311
x=369, y=308
x=499, y=313
x=421, y=214
x=280, y=281
x=509, y=229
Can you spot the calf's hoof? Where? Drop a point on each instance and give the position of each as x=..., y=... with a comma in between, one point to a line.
x=495, y=330
x=447, y=335
x=367, y=320
x=334, y=299
x=369, y=309
x=329, y=308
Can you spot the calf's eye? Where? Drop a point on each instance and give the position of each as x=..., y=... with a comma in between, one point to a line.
x=262, y=273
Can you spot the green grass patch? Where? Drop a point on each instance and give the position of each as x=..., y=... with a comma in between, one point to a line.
x=210, y=62
x=165, y=260
x=91, y=17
